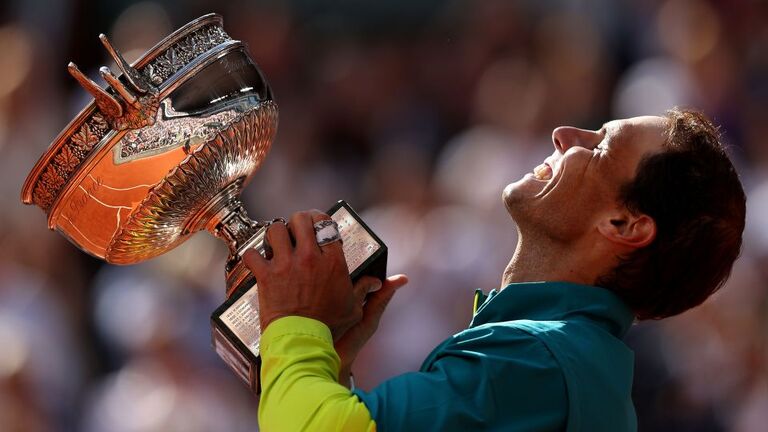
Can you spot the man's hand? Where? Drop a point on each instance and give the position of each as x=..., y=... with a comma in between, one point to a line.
x=350, y=344
x=305, y=279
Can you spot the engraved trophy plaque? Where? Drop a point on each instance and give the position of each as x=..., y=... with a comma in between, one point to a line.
x=163, y=152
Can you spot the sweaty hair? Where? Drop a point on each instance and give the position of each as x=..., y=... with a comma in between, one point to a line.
x=694, y=195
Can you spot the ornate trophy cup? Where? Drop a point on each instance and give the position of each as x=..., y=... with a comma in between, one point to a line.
x=163, y=152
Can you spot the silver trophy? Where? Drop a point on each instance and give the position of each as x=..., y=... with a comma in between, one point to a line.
x=164, y=151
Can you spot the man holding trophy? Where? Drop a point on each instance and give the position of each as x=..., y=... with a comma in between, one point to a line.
x=641, y=219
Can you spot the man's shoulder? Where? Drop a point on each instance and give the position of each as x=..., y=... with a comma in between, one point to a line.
x=581, y=340
x=552, y=343
x=501, y=342
x=516, y=330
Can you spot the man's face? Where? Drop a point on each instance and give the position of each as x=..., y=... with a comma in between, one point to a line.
x=563, y=197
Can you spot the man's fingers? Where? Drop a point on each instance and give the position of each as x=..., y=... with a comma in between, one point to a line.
x=279, y=240
x=374, y=308
x=255, y=262
x=365, y=285
x=396, y=281
x=378, y=301
x=304, y=232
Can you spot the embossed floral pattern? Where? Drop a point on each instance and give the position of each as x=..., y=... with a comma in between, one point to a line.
x=183, y=52
x=43, y=196
x=84, y=139
x=98, y=122
x=67, y=160
x=52, y=178
x=172, y=133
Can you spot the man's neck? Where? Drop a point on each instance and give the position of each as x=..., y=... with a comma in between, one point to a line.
x=544, y=260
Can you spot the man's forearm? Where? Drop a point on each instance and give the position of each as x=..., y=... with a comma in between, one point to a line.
x=299, y=375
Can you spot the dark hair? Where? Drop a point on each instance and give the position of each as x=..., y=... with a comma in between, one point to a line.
x=694, y=195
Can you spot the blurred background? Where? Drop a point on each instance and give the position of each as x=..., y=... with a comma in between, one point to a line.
x=416, y=112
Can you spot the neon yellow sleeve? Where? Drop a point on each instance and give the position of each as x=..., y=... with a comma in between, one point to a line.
x=299, y=381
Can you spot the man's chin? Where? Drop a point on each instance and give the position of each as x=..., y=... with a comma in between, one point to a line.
x=514, y=196
x=522, y=190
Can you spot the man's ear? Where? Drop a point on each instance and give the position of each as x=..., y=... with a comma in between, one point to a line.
x=627, y=229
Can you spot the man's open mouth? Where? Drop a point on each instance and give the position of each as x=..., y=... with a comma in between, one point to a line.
x=543, y=172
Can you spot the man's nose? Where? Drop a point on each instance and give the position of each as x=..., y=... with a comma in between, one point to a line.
x=566, y=137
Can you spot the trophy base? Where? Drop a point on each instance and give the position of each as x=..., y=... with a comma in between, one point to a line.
x=235, y=328
x=236, y=333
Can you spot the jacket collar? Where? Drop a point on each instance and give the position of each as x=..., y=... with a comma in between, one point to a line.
x=554, y=301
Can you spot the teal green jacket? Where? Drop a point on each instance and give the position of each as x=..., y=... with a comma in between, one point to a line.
x=544, y=356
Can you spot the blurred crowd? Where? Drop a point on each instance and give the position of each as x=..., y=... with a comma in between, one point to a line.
x=418, y=113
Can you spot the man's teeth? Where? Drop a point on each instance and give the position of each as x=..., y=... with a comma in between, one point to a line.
x=542, y=172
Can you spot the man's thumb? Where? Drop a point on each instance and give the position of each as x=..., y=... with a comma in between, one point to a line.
x=377, y=302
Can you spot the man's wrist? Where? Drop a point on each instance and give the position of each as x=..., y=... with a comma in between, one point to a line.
x=266, y=321
x=294, y=324
x=335, y=328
